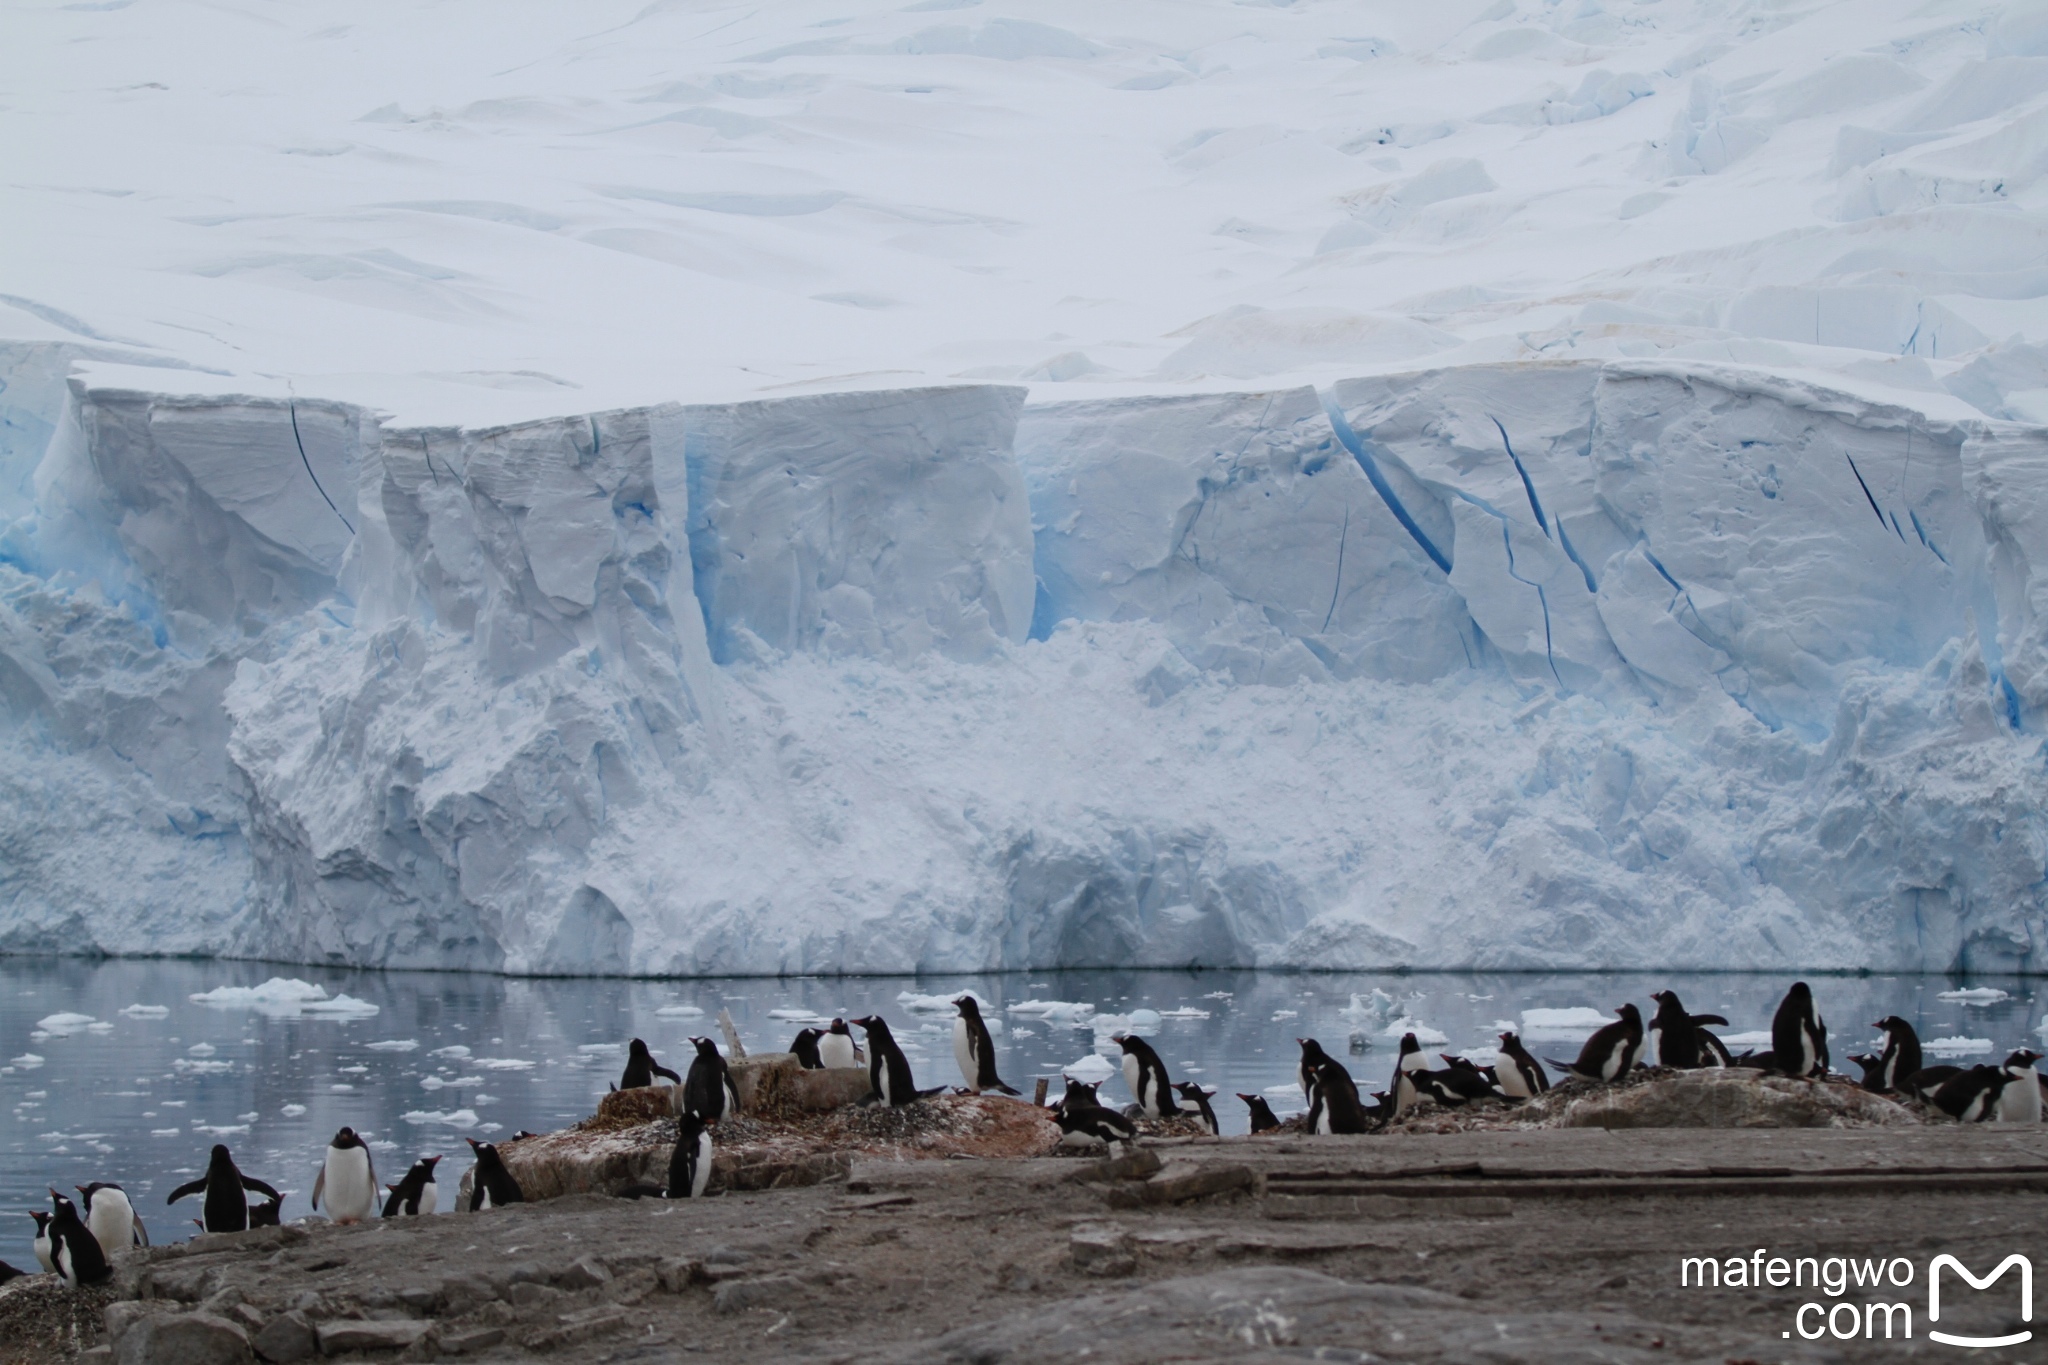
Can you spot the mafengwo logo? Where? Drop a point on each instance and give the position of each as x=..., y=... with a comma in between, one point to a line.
x=1866, y=1316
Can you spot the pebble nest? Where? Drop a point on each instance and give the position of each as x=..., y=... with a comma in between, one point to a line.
x=38, y=1311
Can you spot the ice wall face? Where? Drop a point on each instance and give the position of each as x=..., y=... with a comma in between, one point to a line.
x=880, y=524
x=1611, y=664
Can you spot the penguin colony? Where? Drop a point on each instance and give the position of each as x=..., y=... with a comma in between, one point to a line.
x=77, y=1245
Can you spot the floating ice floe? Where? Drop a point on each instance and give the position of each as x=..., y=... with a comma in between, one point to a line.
x=28, y=1061
x=286, y=996
x=201, y=1067
x=292, y=1111
x=1055, y=1013
x=1424, y=1034
x=202, y=1049
x=341, y=1089
x=58, y=1025
x=1220, y=995
x=220, y=1129
x=147, y=1011
x=503, y=1064
x=393, y=1045
x=796, y=1015
x=1092, y=1069
x=442, y=1083
x=453, y=1118
x=1956, y=1046
x=600, y=1049
x=167, y=1132
x=679, y=1012
x=1976, y=995
x=1139, y=1021
x=452, y=1050
x=1573, y=1025
x=1376, y=1008
x=1279, y=1015
x=1184, y=1012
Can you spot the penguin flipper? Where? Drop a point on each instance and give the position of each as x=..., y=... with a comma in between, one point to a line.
x=250, y=1182
x=141, y=1232
x=644, y=1192
x=664, y=1071
x=871, y=1099
x=1699, y=1019
x=935, y=1090
x=319, y=1184
x=189, y=1187
x=1006, y=1089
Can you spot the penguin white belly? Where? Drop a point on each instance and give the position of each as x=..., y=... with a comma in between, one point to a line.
x=836, y=1049
x=1513, y=1083
x=963, y=1053
x=1134, y=1077
x=112, y=1221
x=484, y=1202
x=882, y=1083
x=700, y=1177
x=350, y=1191
x=1079, y=1137
x=2020, y=1102
x=1653, y=1047
x=430, y=1196
x=62, y=1256
x=43, y=1254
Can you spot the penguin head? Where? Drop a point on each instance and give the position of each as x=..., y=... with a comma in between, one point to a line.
x=706, y=1048
x=1892, y=1024
x=220, y=1154
x=1800, y=991
x=1079, y=1092
x=874, y=1024
x=1312, y=1051
x=61, y=1207
x=969, y=1007
x=2023, y=1060
x=424, y=1167
x=636, y=1049
x=1510, y=1042
x=688, y=1125
x=1458, y=1063
x=1192, y=1090
x=519, y=1136
x=839, y=1026
x=42, y=1221
x=1630, y=1014
x=346, y=1138
x=1124, y=1041
x=1409, y=1043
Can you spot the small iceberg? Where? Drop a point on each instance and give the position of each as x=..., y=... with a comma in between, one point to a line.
x=596, y=1049
x=679, y=1012
x=1092, y=1069
x=799, y=1016
x=292, y=1111
x=1376, y=1008
x=1184, y=1012
x=394, y=1045
x=202, y=1049
x=341, y=1007
x=1056, y=1013
x=1139, y=1021
x=284, y=997
x=1957, y=1046
x=1573, y=1025
x=1976, y=995
x=147, y=1011
x=937, y=1004
x=503, y=1064
x=452, y=1050
x=59, y=1025
x=1424, y=1034
x=443, y=1082
x=453, y=1118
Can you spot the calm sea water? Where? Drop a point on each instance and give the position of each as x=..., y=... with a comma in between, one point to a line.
x=140, y=1096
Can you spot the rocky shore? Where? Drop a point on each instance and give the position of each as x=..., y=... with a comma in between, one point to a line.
x=942, y=1233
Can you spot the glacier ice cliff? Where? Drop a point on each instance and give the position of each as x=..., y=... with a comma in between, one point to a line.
x=1553, y=664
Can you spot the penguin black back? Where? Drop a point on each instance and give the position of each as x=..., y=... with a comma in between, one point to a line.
x=1521, y=1076
x=888, y=1068
x=1145, y=1074
x=1799, y=1039
x=1263, y=1120
x=1678, y=1043
x=708, y=1093
x=975, y=1050
x=226, y=1207
x=1613, y=1049
x=491, y=1186
x=689, y=1165
x=641, y=1068
x=805, y=1047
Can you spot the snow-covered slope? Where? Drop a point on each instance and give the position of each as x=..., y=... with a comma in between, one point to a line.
x=693, y=489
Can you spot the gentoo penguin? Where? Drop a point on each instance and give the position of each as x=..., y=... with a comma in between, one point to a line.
x=1901, y=1056
x=1412, y=1057
x=1312, y=1058
x=689, y=1166
x=1336, y=1108
x=267, y=1213
x=8, y=1272
x=1678, y=1039
x=1972, y=1096
x=1198, y=1096
x=2020, y=1101
x=42, y=1240
x=1613, y=1049
x=1078, y=1095
x=226, y=1207
x=837, y=1047
x=806, y=1049
x=1873, y=1071
x=491, y=1186
x=708, y=1093
x=74, y=1251
x=111, y=1218
x=1145, y=1074
x=973, y=1049
x=1457, y=1082
x=1094, y=1125
x=347, y=1179
x=1521, y=1076
x=1262, y=1113
x=1381, y=1110
x=416, y=1194
x=1799, y=1037
x=1923, y=1083
x=888, y=1068
x=641, y=1068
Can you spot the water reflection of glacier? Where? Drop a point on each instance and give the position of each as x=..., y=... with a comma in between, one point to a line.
x=139, y=1096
